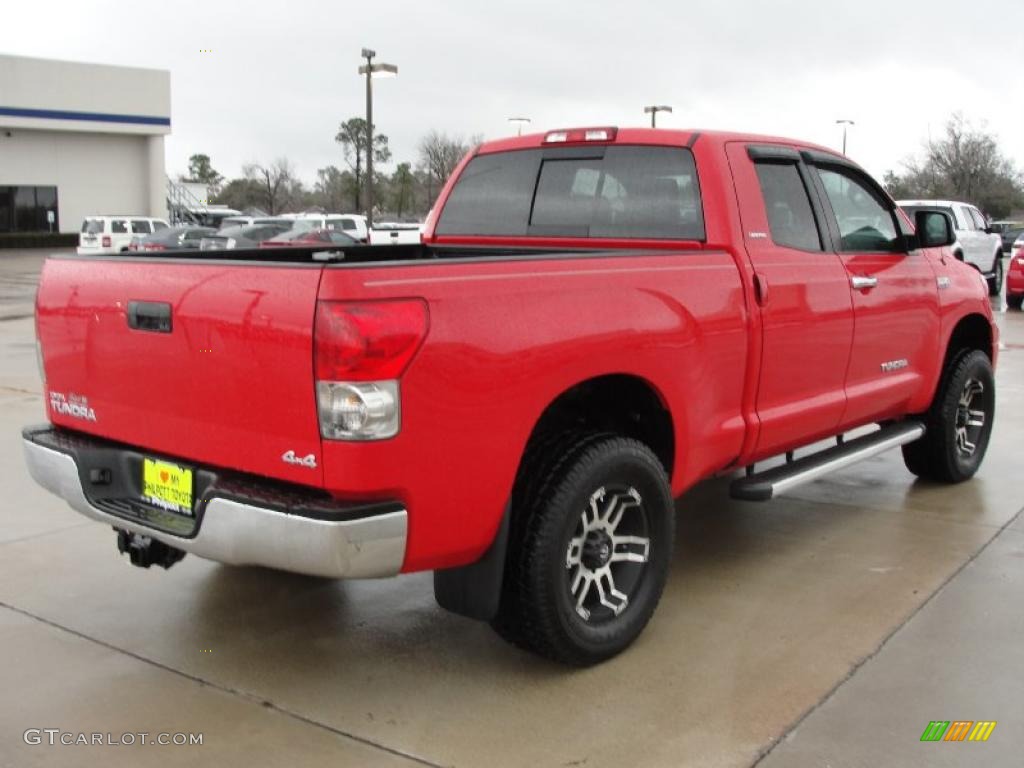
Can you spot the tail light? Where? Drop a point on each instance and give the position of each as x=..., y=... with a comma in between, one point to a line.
x=361, y=351
x=154, y=247
x=106, y=241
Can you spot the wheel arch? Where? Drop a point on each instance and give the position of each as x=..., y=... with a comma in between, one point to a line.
x=973, y=331
x=622, y=403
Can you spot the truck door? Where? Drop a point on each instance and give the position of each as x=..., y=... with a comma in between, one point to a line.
x=803, y=296
x=895, y=295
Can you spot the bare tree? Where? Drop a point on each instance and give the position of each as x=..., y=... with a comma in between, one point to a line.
x=440, y=153
x=276, y=182
x=964, y=164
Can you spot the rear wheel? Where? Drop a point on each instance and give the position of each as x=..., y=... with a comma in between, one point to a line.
x=959, y=422
x=995, y=283
x=1014, y=302
x=589, y=553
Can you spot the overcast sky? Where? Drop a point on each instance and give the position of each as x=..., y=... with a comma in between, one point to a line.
x=281, y=76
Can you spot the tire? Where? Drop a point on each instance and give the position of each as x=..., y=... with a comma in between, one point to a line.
x=954, y=445
x=995, y=283
x=589, y=550
x=1015, y=302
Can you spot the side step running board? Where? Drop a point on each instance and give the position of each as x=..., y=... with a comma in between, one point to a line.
x=765, y=485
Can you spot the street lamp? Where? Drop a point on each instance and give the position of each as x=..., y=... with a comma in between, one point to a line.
x=370, y=70
x=654, y=109
x=845, y=124
x=520, y=122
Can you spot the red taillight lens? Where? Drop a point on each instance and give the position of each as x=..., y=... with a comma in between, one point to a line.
x=367, y=341
x=106, y=241
x=154, y=247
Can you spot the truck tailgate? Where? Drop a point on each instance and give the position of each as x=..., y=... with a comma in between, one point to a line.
x=229, y=384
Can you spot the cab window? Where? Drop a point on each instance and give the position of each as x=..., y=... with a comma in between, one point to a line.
x=866, y=223
x=790, y=216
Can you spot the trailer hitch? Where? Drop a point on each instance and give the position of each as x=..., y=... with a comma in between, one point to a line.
x=144, y=551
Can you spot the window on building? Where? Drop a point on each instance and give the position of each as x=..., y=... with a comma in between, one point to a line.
x=28, y=209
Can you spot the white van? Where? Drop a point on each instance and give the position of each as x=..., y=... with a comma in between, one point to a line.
x=113, y=234
x=352, y=224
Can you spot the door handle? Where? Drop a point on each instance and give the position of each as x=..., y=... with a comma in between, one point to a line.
x=862, y=283
x=152, y=316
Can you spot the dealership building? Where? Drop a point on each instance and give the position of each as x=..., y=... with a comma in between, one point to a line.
x=79, y=139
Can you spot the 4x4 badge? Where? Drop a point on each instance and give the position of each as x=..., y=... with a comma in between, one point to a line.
x=305, y=461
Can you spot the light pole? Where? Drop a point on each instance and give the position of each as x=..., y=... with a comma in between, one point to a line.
x=520, y=122
x=845, y=124
x=381, y=70
x=653, y=111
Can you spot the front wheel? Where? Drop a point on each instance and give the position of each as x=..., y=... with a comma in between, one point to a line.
x=995, y=283
x=589, y=562
x=959, y=422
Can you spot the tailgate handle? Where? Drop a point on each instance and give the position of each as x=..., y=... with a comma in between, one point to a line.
x=149, y=316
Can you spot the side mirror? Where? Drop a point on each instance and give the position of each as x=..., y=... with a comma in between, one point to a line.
x=934, y=229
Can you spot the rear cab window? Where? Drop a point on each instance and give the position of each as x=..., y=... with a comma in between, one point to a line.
x=92, y=226
x=608, y=191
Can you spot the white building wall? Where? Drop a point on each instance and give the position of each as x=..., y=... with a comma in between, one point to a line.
x=96, y=132
x=93, y=173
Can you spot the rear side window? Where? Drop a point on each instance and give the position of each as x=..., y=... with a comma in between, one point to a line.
x=613, y=192
x=140, y=227
x=790, y=216
x=119, y=226
x=158, y=225
x=493, y=195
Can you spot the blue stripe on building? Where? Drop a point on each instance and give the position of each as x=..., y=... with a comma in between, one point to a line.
x=98, y=117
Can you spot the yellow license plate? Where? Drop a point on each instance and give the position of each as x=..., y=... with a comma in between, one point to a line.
x=167, y=485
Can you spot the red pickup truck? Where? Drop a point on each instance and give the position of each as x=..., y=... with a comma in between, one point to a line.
x=595, y=320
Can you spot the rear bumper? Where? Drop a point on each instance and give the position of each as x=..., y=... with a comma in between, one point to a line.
x=340, y=541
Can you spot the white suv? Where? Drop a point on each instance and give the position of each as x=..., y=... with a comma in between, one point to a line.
x=113, y=234
x=352, y=224
x=976, y=243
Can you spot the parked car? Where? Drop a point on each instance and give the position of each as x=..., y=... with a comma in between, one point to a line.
x=1009, y=231
x=297, y=238
x=244, y=236
x=596, y=320
x=395, y=233
x=173, y=239
x=349, y=223
x=245, y=221
x=1015, y=275
x=113, y=234
x=977, y=244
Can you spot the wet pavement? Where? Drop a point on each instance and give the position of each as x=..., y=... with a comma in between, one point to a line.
x=826, y=627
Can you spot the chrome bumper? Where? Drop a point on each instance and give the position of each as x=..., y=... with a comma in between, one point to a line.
x=242, y=534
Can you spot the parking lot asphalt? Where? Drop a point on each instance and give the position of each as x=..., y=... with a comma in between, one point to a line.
x=826, y=627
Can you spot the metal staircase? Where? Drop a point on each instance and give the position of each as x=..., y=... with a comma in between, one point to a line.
x=182, y=206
